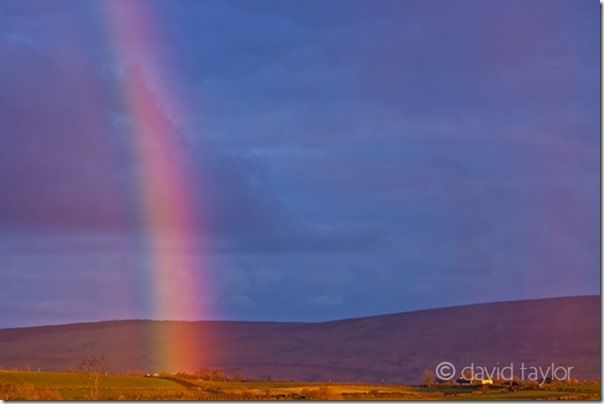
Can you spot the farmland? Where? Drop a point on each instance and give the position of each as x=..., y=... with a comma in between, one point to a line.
x=27, y=385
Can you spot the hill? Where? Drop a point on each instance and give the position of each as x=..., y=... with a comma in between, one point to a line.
x=392, y=348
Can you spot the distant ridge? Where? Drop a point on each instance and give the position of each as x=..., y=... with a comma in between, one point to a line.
x=394, y=348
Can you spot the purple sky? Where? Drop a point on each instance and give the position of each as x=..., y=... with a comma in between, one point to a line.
x=351, y=157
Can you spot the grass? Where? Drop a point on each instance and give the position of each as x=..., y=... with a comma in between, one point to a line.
x=74, y=386
x=24, y=385
x=76, y=380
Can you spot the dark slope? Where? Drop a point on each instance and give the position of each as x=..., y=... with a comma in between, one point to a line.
x=392, y=348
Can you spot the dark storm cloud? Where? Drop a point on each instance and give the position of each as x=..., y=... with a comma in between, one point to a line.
x=69, y=166
x=348, y=157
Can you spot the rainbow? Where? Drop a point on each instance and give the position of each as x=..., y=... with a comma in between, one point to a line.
x=167, y=202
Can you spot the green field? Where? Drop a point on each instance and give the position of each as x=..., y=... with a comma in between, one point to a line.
x=22, y=385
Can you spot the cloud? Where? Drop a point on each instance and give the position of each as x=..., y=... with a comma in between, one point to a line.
x=367, y=158
x=69, y=166
x=242, y=300
x=32, y=9
x=325, y=300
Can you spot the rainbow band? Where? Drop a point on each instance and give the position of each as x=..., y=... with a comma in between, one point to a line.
x=165, y=187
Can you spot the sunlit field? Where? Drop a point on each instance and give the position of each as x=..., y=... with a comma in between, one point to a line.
x=26, y=385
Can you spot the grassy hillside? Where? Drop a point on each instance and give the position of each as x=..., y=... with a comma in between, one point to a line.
x=393, y=348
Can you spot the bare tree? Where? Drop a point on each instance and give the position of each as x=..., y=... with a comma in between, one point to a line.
x=93, y=370
x=428, y=377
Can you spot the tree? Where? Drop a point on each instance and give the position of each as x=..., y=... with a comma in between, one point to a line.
x=428, y=377
x=93, y=370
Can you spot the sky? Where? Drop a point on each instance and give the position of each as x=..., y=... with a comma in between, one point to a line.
x=317, y=160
